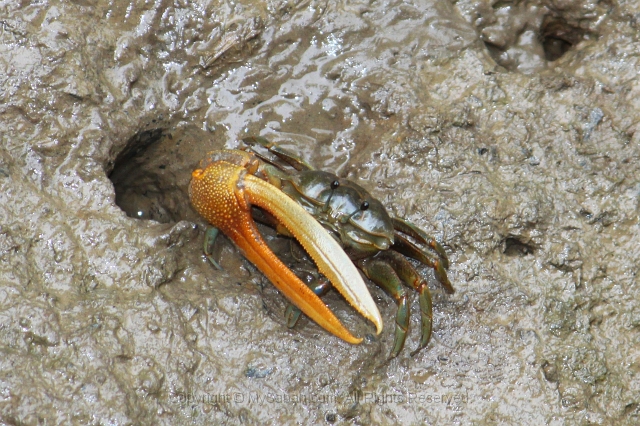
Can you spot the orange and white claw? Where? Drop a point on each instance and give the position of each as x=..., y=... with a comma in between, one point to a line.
x=223, y=192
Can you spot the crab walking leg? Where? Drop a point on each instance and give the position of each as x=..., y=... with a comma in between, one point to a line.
x=386, y=278
x=410, y=277
x=390, y=270
x=210, y=238
x=222, y=194
x=320, y=287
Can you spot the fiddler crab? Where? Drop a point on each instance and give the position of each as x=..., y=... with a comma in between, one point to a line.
x=338, y=223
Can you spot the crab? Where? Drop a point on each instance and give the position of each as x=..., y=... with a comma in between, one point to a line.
x=335, y=220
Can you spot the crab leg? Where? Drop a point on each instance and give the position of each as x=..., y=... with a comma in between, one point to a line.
x=406, y=247
x=386, y=278
x=320, y=287
x=223, y=192
x=390, y=270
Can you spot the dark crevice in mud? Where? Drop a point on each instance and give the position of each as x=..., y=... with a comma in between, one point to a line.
x=558, y=37
x=515, y=248
x=525, y=37
x=144, y=187
x=137, y=145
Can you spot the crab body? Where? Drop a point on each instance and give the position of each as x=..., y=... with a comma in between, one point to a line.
x=359, y=221
x=375, y=241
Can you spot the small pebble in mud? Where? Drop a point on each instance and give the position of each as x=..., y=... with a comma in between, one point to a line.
x=257, y=373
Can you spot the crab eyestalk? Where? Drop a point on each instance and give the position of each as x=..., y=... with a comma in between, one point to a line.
x=223, y=192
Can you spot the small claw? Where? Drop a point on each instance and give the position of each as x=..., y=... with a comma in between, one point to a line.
x=223, y=193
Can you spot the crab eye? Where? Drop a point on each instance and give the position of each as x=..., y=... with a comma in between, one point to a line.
x=364, y=206
x=335, y=184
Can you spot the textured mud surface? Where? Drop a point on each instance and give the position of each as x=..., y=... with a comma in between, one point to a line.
x=508, y=131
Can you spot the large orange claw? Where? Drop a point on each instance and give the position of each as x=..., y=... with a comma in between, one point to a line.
x=223, y=189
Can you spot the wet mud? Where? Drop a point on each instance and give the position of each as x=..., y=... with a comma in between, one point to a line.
x=508, y=130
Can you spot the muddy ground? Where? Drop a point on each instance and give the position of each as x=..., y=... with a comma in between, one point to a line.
x=509, y=131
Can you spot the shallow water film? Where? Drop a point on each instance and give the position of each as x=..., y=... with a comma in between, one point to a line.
x=508, y=130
